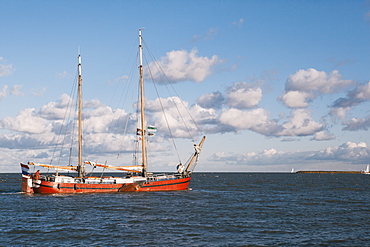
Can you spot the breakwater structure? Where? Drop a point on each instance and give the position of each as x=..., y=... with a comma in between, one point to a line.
x=351, y=172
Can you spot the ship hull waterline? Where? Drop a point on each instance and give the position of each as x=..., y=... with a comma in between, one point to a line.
x=47, y=187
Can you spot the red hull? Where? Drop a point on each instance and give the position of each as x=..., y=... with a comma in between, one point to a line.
x=166, y=185
x=46, y=187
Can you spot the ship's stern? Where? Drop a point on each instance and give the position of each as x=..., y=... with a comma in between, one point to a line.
x=27, y=184
x=26, y=179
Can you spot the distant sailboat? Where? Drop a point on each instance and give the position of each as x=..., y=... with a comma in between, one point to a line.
x=292, y=171
x=367, y=170
x=136, y=177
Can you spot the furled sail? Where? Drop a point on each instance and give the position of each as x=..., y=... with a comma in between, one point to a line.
x=137, y=168
x=69, y=168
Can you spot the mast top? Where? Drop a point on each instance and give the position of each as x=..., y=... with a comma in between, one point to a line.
x=140, y=37
x=79, y=66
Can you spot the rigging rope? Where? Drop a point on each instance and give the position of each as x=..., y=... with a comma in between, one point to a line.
x=129, y=115
x=168, y=82
x=165, y=115
x=64, y=121
x=73, y=136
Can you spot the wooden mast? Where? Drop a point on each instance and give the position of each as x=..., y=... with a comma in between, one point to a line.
x=80, y=165
x=142, y=105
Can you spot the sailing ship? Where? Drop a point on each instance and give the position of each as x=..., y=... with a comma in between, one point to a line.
x=135, y=178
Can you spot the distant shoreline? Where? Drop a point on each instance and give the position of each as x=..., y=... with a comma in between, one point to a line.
x=353, y=172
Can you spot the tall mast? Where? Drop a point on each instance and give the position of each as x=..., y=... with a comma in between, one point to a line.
x=142, y=105
x=81, y=168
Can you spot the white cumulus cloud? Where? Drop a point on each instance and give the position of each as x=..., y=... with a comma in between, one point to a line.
x=323, y=136
x=304, y=85
x=354, y=97
x=26, y=121
x=211, y=100
x=348, y=153
x=355, y=124
x=182, y=65
x=300, y=124
x=312, y=80
x=256, y=120
x=105, y=120
x=341, y=106
x=296, y=99
x=242, y=96
x=56, y=110
x=180, y=119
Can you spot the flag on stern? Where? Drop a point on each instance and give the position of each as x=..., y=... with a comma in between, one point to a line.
x=25, y=169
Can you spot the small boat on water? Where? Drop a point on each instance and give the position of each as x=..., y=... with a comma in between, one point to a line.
x=367, y=170
x=135, y=178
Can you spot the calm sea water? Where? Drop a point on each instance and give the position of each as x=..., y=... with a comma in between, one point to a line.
x=222, y=209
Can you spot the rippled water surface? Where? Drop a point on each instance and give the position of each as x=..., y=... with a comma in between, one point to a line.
x=222, y=209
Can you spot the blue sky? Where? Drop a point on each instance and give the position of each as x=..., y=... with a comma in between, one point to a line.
x=275, y=84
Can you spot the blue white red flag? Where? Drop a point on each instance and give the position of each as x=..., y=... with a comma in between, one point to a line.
x=25, y=169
